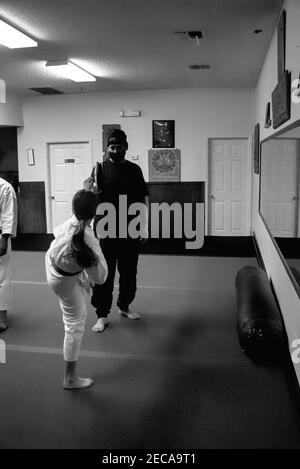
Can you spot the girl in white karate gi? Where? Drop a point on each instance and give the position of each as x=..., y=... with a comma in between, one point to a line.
x=74, y=262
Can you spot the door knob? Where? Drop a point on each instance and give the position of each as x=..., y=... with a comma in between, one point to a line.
x=52, y=197
x=212, y=196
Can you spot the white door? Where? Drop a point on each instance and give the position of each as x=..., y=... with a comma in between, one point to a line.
x=279, y=198
x=70, y=165
x=229, y=190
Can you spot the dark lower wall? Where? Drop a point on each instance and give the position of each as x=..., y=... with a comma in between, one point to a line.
x=32, y=234
x=213, y=246
x=290, y=247
x=177, y=192
x=32, y=208
x=8, y=149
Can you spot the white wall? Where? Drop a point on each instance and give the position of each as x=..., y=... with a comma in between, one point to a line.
x=286, y=294
x=199, y=114
x=11, y=112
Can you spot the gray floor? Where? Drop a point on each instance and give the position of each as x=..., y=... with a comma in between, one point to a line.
x=174, y=379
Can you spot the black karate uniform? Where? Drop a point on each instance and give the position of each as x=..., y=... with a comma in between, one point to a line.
x=113, y=180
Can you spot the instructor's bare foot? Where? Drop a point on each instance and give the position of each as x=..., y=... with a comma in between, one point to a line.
x=77, y=383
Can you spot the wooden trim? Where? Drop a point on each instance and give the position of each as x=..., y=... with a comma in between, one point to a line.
x=281, y=131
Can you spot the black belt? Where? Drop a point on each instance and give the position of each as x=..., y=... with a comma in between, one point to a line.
x=63, y=272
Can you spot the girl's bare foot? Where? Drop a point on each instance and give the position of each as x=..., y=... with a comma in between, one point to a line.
x=77, y=383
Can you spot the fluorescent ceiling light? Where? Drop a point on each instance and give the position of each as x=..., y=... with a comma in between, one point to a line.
x=13, y=38
x=70, y=70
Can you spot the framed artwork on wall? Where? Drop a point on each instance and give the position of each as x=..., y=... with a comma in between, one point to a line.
x=163, y=134
x=256, y=142
x=281, y=100
x=164, y=165
x=268, y=121
x=281, y=39
x=298, y=87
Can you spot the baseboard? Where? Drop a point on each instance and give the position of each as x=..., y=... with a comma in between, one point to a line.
x=32, y=242
x=290, y=247
x=220, y=246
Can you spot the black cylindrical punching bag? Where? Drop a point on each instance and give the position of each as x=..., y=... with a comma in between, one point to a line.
x=259, y=323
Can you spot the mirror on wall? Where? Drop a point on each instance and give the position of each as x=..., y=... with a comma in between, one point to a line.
x=280, y=193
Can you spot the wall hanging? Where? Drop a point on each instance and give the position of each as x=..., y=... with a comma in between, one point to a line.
x=164, y=165
x=281, y=100
x=281, y=38
x=163, y=134
x=268, y=121
x=256, y=143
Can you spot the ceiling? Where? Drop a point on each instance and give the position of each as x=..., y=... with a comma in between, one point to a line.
x=131, y=45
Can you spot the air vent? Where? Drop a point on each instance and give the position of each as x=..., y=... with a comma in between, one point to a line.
x=191, y=35
x=200, y=67
x=46, y=90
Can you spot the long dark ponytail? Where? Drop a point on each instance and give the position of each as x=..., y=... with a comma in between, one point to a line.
x=84, y=206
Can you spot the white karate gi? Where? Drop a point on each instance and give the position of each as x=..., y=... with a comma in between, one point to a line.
x=8, y=225
x=70, y=289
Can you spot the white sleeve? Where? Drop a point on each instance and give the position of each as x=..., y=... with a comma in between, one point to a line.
x=97, y=273
x=65, y=227
x=9, y=211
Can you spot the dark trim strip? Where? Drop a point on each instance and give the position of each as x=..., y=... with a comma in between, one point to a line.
x=289, y=247
x=214, y=246
x=32, y=241
x=196, y=189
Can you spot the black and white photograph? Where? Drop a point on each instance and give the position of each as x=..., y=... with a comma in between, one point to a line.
x=149, y=229
x=163, y=134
